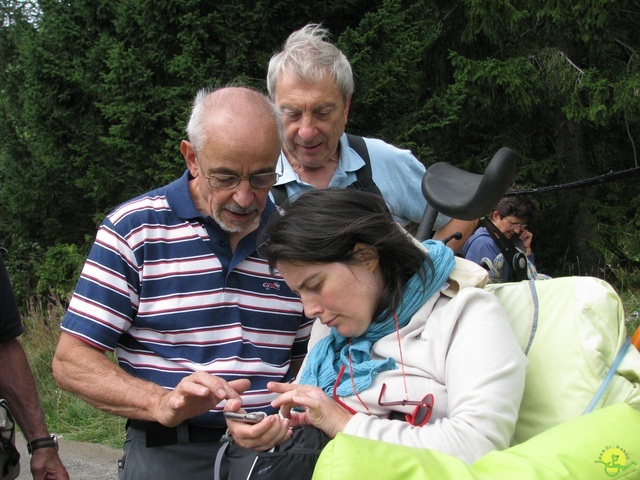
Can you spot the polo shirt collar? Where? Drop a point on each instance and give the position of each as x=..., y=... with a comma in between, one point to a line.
x=349, y=161
x=179, y=198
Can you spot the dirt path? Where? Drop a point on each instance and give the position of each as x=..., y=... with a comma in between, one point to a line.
x=84, y=461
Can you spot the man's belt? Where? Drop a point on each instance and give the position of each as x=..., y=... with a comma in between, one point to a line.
x=157, y=435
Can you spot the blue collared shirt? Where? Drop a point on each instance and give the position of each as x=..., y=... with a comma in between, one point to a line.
x=396, y=172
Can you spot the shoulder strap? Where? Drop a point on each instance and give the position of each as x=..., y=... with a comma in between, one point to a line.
x=365, y=176
x=516, y=260
x=279, y=193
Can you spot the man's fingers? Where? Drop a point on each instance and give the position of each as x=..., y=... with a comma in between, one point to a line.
x=241, y=385
x=202, y=383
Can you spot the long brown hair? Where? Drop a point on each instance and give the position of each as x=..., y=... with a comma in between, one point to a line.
x=323, y=226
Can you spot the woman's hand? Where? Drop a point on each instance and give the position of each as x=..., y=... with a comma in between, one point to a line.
x=261, y=436
x=319, y=409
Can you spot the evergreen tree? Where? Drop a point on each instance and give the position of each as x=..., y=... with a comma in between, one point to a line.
x=94, y=96
x=555, y=81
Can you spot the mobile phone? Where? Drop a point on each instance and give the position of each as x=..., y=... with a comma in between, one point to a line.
x=253, y=417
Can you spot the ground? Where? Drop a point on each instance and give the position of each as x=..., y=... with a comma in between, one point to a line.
x=84, y=461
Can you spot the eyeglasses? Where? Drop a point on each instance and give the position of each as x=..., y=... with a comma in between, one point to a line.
x=514, y=225
x=420, y=415
x=228, y=181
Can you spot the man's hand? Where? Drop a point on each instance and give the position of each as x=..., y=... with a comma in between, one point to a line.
x=46, y=465
x=196, y=394
x=87, y=372
x=262, y=436
x=527, y=237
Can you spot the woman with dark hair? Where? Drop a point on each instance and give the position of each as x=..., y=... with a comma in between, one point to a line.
x=403, y=360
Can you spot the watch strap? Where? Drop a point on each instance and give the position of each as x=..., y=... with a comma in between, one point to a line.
x=47, y=442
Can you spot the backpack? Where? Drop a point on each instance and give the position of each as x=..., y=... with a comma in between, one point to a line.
x=364, y=176
x=9, y=455
x=497, y=270
x=515, y=267
x=295, y=458
x=573, y=331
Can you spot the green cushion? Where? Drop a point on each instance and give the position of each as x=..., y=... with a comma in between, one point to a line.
x=576, y=449
x=571, y=329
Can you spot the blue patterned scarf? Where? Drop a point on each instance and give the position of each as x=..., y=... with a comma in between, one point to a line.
x=330, y=353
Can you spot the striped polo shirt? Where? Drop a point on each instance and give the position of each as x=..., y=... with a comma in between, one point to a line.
x=163, y=289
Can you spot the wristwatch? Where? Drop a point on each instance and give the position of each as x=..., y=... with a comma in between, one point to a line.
x=47, y=442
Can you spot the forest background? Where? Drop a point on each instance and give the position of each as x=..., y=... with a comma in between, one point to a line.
x=95, y=95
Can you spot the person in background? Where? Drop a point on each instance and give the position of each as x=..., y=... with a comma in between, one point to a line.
x=511, y=217
x=395, y=354
x=174, y=286
x=18, y=387
x=311, y=82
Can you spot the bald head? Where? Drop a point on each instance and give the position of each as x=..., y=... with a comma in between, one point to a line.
x=232, y=110
x=235, y=140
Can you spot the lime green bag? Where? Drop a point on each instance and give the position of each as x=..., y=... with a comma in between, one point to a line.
x=573, y=332
x=571, y=329
x=601, y=445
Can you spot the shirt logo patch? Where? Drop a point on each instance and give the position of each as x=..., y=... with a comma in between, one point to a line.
x=271, y=285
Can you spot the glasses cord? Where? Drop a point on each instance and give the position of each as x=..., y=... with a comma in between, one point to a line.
x=404, y=377
x=353, y=383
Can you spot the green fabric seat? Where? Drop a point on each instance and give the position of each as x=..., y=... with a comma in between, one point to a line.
x=576, y=449
x=571, y=329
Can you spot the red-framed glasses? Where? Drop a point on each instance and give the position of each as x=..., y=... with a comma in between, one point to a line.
x=420, y=415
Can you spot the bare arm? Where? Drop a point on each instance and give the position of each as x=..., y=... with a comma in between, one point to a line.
x=19, y=389
x=465, y=227
x=87, y=372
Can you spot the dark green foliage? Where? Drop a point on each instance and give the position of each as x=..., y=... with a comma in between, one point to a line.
x=555, y=81
x=94, y=96
x=58, y=271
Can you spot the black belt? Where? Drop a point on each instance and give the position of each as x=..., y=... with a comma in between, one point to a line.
x=158, y=435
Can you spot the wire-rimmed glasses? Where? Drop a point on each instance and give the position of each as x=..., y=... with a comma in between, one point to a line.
x=514, y=225
x=226, y=181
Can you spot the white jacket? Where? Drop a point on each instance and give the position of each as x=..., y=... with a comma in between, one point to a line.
x=460, y=347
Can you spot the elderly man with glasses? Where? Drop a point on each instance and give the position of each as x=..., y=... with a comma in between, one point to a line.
x=173, y=285
x=511, y=218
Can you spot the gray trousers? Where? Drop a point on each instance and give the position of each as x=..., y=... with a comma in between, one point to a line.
x=181, y=461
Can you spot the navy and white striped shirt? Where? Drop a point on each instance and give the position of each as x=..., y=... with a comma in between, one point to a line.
x=163, y=289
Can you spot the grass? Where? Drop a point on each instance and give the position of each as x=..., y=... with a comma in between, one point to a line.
x=71, y=417
x=66, y=414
